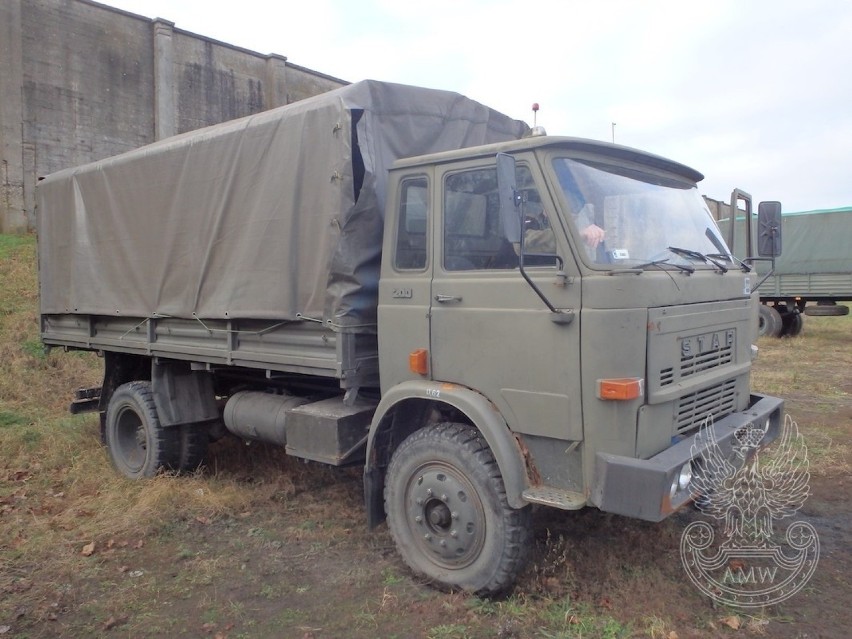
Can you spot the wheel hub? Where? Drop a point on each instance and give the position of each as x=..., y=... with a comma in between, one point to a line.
x=131, y=442
x=438, y=514
x=445, y=515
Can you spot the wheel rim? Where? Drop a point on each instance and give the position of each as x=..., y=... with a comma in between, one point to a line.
x=131, y=439
x=445, y=515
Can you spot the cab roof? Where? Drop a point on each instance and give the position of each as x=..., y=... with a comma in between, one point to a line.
x=582, y=145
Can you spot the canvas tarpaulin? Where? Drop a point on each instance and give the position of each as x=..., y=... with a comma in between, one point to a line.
x=275, y=216
x=816, y=242
x=813, y=242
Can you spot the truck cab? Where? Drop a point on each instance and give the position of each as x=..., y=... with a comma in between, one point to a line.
x=586, y=346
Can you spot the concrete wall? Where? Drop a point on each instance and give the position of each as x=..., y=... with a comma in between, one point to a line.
x=80, y=81
x=719, y=210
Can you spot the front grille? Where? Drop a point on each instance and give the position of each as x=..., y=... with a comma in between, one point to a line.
x=717, y=401
x=696, y=363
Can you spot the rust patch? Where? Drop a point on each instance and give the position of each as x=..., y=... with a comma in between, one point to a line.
x=532, y=471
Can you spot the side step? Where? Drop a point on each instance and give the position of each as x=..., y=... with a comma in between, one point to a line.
x=555, y=497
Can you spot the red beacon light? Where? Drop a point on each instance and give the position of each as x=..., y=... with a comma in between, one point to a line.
x=537, y=131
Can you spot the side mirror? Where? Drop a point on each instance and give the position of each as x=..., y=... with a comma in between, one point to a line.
x=508, y=192
x=769, y=229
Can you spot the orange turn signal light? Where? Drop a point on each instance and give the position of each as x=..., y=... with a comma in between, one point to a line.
x=418, y=361
x=622, y=389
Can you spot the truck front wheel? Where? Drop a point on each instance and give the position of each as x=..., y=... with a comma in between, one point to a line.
x=138, y=445
x=448, y=513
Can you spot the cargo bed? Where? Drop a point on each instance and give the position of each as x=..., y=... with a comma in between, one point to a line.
x=304, y=347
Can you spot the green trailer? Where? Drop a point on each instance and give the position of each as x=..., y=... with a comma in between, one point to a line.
x=812, y=276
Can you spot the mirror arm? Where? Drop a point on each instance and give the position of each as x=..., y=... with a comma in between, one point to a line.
x=771, y=260
x=512, y=202
x=559, y=316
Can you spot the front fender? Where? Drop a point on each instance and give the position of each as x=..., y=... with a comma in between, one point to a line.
x=482, y=414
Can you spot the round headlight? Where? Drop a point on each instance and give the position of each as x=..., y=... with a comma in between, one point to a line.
x=684, y=476
x=682, y=479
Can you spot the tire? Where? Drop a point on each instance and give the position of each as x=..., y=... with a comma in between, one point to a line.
x=769, y=323
x=138, y=445
x=793, y=324
x=193, y=441
x=448, y=513
x=827, y=310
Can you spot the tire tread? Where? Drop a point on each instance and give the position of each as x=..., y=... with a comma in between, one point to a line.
x=164, y=453
x=518, y=532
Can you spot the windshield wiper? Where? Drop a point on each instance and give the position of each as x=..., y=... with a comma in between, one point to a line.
x=683, y=267
x=724, y=256
x=696, y=255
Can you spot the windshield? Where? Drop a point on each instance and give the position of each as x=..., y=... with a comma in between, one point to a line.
x=630, y=219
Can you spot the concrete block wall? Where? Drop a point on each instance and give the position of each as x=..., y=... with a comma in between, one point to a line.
x=719, y=210
x=80, y=81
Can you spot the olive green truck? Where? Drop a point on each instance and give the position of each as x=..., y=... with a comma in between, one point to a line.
x=483, y=316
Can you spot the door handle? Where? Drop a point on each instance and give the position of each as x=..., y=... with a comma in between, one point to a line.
x=445, y=299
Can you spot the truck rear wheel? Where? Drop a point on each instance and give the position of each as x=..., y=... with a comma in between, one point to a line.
x=138, y=445
x=448, y=513
x=769, y=322
x=194, y=439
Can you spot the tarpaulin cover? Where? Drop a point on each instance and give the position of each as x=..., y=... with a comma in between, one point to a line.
x=275, y=216
x=812, y=242
x=816, y=242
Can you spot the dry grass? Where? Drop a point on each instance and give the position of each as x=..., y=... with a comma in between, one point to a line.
x=32, y=384
x=58, y=492
x=811, y=373
x=807, y=367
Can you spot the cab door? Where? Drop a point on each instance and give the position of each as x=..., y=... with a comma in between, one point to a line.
x=489, y=330
x=405, y=285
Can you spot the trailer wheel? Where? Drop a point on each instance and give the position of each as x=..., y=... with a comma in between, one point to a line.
x=827, y=310
x=793, y=324
x=769, y=322
x=138, y=445
x=448, y=513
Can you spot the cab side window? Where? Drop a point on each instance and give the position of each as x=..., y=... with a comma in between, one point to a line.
x=473, y=230
x=413, y=230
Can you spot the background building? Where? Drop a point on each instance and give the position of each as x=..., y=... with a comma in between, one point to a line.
x=80, y=81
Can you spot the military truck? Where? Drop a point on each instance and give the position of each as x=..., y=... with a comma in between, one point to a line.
x=485, y=317
x=813, y=275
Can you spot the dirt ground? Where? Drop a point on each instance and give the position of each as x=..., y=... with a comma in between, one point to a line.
x=263, y=545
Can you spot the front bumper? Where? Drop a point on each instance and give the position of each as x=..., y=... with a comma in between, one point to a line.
x=641, y=488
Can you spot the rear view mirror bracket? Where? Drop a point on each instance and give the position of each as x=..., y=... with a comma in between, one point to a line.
x=511, y=213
